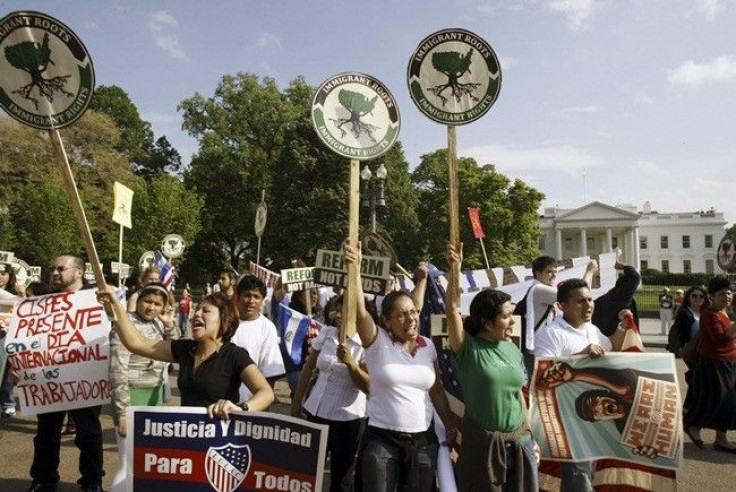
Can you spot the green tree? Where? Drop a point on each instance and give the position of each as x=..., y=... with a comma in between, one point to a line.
x=136, y=135
x=161, y=206
x=241, y=133
x=43, y=226
x=150, y=157
x=508, y=212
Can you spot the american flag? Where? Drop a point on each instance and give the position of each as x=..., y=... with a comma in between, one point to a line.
x=167, y=270
x=227, y=466
x=454, y=392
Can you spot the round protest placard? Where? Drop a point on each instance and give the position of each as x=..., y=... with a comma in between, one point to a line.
x=375, y=245
x=172, y=246
x=727, y=253
x=454, y=76
x=46, y=73
x=146, y=260
x=261, y=216
x=355, y=115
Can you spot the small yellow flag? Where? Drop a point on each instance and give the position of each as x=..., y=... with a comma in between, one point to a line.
x=123, y=205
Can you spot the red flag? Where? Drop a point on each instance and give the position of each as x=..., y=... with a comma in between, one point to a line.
x=474, y=215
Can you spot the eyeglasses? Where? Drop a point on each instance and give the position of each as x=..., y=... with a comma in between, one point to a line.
x=696, y=295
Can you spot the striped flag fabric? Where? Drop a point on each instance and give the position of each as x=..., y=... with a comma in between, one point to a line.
x=167, y=270
x=294, y=329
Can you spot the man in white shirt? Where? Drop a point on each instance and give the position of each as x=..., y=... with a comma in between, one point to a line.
x=539, y=304
x=256, y=333
x=574, y=334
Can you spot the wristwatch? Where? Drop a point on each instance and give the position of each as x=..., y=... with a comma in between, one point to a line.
x=244, y=406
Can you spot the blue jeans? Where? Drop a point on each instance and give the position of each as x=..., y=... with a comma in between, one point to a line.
x=382, y=466
x=6, y=393
x=577, y=477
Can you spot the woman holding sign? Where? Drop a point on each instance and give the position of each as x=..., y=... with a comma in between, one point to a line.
x=498, y=452
x=210, y=367
x=400, y=446
x=136, y=380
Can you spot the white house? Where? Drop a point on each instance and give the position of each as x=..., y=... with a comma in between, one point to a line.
x=671, y=242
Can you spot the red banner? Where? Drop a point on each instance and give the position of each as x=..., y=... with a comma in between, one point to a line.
x=474, y=215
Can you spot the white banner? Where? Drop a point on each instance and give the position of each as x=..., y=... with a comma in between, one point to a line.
x=59, y=345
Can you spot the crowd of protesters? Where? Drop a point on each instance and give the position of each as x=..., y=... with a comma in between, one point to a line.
x=380, y=390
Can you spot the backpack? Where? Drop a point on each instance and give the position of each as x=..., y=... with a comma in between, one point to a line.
x=678, y=335
x=520, y=310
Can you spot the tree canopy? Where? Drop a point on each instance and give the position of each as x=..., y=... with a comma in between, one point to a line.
x=149, y=157
x=508, y=211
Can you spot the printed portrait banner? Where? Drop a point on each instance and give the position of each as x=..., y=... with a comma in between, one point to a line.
x=181, y=449
x=619, y=406
x=59, y=345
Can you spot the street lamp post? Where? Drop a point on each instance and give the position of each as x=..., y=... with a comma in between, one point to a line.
x=372, y=190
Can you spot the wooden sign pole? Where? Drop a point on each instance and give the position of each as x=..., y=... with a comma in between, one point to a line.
x=81, y=218
x=120, y=258
x=454, y=218
x=350, y=300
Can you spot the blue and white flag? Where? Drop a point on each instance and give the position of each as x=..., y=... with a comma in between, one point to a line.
x=167, y=270
x=294, y=329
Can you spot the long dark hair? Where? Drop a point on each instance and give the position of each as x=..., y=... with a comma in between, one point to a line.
x=686, y=296
x=12, y=280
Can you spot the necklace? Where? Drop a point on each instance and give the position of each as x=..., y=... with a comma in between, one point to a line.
x=204, y=355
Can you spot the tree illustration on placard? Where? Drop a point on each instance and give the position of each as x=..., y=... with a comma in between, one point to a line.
x=454, y=65
x=358, y=105
x=35, y=58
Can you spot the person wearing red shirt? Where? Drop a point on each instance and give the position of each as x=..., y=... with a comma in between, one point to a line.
x=714, y=373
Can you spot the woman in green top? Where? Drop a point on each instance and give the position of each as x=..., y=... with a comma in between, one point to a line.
x=498, y=452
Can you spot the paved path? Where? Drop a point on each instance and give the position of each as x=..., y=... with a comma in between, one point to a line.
x=703, y=470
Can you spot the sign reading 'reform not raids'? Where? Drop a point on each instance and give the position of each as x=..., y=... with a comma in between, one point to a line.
x=59, y=346
x=181, y=449
x=330, y=269
x=294, y=279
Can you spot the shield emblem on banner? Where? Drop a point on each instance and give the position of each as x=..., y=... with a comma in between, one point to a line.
x=227, y=466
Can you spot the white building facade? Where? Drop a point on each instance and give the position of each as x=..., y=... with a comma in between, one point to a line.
x=669, y=242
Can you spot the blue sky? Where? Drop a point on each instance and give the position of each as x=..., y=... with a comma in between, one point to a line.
x=618, y=101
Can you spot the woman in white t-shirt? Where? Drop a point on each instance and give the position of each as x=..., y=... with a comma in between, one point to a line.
x=399, y=450
x=338, y=397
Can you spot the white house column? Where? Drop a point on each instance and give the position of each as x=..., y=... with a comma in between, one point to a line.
x=637, y=256
x=583, y=241
x=630, y=249
x=558, y=244
x=609, y=241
